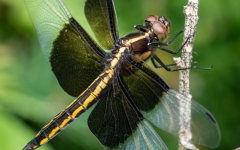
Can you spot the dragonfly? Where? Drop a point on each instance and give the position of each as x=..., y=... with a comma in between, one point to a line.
x=111, y=73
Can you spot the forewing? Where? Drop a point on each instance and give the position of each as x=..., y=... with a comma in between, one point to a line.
x=102, y=18
x=75, y=58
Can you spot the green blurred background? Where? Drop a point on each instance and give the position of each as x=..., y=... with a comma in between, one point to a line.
x=30, y=95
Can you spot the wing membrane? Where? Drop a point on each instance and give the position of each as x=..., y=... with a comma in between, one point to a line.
x=144, y=138
x=162, y=104
x=70, y=50
x=204, y=127
x=113, y=119
x=117, y=124
x=102, y=18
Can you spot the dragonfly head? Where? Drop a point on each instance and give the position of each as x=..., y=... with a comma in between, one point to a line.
x=159, y=25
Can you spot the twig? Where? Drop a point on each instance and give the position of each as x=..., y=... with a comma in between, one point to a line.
x=191, y=14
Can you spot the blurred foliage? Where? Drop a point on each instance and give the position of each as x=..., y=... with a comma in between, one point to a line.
x=30, y=95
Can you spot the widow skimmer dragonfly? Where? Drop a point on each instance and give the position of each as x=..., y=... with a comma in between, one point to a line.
x=127, y=92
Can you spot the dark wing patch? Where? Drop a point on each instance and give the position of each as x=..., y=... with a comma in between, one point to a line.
x=113, y=119
x=145, y=86
x=102, y=18
x=74, y=59
x=118, y=124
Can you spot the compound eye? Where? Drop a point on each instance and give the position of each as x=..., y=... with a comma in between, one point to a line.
x=163, y=20
x=152, y=18
x=166, y=23
x=158, y=28
x=149, y=21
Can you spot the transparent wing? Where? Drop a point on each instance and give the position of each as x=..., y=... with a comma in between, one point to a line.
x=204, y=127
x=144, y=138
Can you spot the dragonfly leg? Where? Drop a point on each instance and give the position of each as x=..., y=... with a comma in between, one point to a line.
x=162, y=45
x=141, y=28
x=155, y=59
